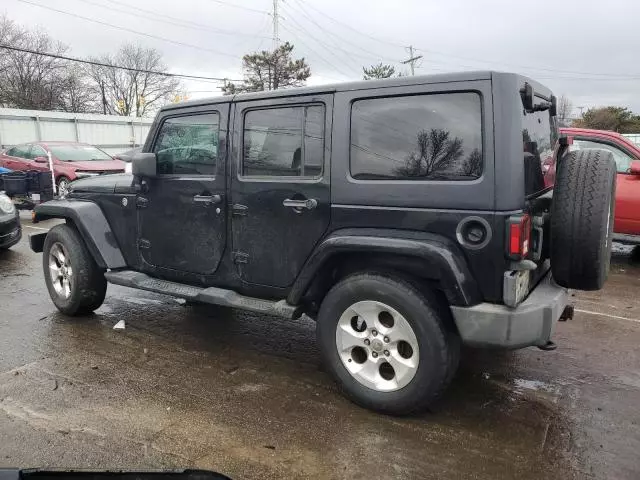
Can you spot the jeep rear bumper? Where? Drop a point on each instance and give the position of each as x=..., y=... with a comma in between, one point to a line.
x=530, y=323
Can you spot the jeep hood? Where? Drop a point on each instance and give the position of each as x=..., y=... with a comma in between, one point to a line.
x=103, y=184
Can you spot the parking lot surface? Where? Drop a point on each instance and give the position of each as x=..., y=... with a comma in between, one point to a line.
x=245, y=395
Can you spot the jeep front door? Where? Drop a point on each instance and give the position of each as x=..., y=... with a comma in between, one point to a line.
x=182, y=214
x=280, y=188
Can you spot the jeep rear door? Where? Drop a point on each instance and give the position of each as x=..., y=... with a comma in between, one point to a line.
x=280, y=185
x=182, y=213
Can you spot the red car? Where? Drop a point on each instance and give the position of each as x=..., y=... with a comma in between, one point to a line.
x=626, y=226
x=71, y=160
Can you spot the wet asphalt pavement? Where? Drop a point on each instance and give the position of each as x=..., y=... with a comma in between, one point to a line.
x=245, y=395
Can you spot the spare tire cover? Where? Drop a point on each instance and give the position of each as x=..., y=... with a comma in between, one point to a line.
x=582, y=219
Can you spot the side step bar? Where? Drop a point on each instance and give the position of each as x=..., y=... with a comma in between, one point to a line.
x=213, y=295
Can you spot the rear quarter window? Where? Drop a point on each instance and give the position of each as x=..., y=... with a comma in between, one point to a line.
x=417, y=137
x=539, y=137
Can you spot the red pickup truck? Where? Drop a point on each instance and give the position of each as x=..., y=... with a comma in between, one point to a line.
x=626, y=226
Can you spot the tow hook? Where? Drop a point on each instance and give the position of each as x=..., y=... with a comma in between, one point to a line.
x=567, y=314
x=547, y=347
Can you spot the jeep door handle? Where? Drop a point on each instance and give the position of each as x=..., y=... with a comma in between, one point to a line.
x=309, y=203
x=207, y=199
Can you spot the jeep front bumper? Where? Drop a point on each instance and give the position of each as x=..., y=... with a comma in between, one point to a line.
x=532, y=322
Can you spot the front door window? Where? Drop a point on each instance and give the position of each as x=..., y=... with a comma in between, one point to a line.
x=188, y=145
x=622, y=159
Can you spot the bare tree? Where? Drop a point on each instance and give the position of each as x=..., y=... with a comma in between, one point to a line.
x=472, y=165
x=565, y=107
x=29, y=80
x=270, y=70
x=436, y=153
x=77, y=94
x=131, y=92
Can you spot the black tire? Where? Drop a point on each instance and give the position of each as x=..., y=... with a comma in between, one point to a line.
x=582, y=219
x=88, y=286
x=438, y=350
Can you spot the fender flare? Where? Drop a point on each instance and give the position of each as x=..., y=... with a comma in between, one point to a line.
x=92, y=225
x=443, y=260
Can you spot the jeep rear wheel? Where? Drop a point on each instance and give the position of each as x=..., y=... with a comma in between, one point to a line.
x=75, y=282
x=386, y=343
x=582, y=219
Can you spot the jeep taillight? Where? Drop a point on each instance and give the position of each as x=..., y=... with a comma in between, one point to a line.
x=518, y=236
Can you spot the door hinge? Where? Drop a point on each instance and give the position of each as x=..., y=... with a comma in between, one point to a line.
x=142, y=202
x=144, y=244
x=240, y=257
x=239, y=210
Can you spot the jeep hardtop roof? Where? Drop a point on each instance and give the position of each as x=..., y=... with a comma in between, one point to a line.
x=361, y=85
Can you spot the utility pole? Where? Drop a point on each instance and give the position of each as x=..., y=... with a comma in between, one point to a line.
x=276, y=40
x=411, y=60
x=581, y=109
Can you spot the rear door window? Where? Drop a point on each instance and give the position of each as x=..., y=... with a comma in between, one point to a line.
x=284, y=142
x=418, y=137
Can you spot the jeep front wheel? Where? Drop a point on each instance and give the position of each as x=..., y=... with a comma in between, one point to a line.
x=75, y=282
x=385, y=342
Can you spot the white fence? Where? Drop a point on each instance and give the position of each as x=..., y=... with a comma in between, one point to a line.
x=111, y=133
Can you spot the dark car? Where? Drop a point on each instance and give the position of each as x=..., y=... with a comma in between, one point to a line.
x=407, y=216
x=71, y=160
x=10, y=230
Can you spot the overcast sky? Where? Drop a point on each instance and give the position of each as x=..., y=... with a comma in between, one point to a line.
x=587, y=53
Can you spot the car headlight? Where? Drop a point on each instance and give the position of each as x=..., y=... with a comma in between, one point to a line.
x=6, y=205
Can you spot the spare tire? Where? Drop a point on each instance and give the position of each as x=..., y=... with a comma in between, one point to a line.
x=582, y=219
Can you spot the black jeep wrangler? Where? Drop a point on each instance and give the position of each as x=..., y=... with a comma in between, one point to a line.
x=406, y=216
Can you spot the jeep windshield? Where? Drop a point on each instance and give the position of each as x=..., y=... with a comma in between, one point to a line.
x=78, y=153
x=539, y=136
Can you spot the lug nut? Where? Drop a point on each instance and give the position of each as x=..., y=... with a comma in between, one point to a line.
x=386, y=339
x=374, y=332
x=386, y=352
x=374, y=354
x=366, y=341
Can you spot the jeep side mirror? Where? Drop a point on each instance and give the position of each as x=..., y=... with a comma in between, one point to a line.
x=144, y=165
x=634, y=168
x=41, y=159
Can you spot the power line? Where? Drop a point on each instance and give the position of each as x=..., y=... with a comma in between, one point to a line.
x=242, y=7
x=119, y=67
x=327, y=62
x=301, y=9
x=353, y=29
x=136, y=32
x=314, y=52
x=306, y=33
x=529, y=67
x=170, y=19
